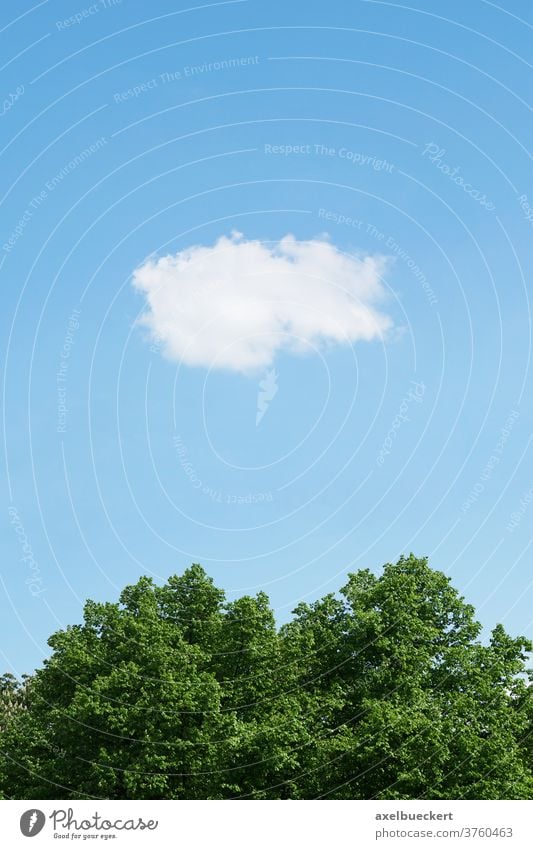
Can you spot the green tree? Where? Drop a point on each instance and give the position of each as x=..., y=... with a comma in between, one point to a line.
x=125, y=708
x=417, y=707
x=12, y=698
x=383, y=691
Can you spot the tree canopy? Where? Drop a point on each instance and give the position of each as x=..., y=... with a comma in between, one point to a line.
x=384, y=690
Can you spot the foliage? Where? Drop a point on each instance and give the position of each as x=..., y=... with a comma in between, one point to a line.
x=383, y=691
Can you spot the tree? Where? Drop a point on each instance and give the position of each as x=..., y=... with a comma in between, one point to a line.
x=418, y=706
x=12, y=698
x=383, y=691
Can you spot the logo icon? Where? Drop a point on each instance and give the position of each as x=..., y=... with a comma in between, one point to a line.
x=32, y=822
x=268, y=388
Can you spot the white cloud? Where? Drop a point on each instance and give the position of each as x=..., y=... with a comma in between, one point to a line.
x=235, y=304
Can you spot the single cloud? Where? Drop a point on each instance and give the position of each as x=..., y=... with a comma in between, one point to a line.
x=234, y=305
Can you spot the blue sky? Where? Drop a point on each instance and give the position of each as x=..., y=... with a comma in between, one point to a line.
x=364, y=130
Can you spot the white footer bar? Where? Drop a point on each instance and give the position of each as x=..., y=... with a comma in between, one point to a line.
x=276, y=825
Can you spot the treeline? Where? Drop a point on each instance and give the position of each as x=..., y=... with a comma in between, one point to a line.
x=384, y=690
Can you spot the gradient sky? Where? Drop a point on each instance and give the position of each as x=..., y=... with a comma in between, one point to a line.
x=385, y=129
